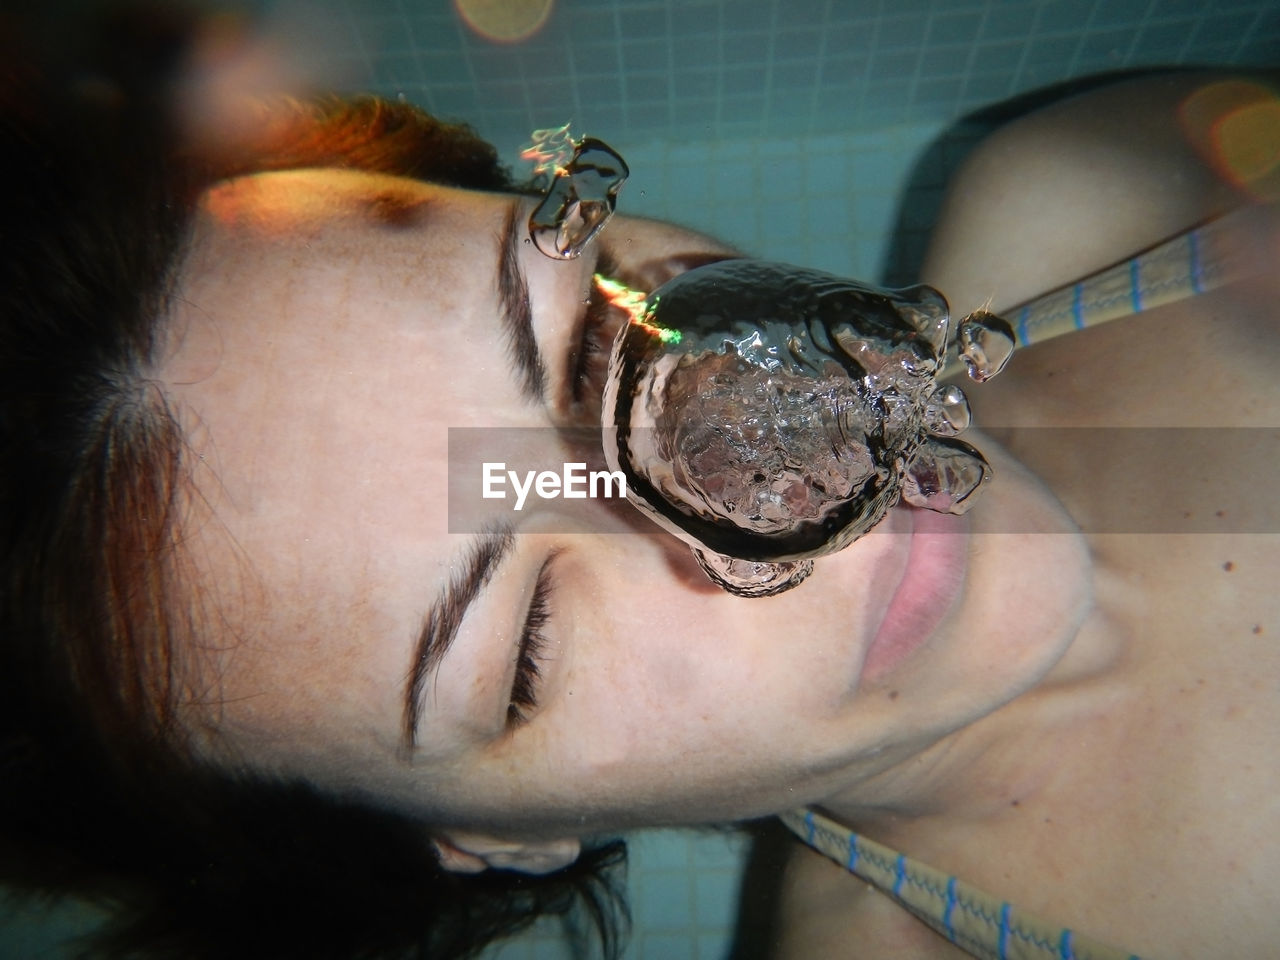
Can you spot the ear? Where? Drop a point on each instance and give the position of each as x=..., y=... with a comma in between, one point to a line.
x=473, y=852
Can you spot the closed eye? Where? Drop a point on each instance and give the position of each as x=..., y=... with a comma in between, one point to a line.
x=532, y=650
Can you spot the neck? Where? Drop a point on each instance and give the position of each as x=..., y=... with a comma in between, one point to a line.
x=1024, y=753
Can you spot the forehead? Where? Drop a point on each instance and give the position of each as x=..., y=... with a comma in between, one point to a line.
x=320, y=327
x=307, y=330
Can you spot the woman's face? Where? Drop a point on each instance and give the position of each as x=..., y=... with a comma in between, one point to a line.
x=331, y=327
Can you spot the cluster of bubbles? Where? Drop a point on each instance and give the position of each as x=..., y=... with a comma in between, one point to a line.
x=792, y=411
x=768, y=414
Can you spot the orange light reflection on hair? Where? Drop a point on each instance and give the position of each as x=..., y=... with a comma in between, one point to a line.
x=1235, y=126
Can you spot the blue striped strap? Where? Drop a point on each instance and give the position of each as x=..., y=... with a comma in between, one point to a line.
x=982, y=925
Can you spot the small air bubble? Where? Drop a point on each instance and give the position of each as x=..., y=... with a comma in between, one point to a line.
x=581, y=199
x=986, y=344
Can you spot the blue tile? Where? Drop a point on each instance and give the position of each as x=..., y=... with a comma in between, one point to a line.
x=1004, y=21
x=1224, y=29
x=941, y=93
x=663, y=900
x=735, y=181
x=795, y=74
x=454, y=100
x=797, y=44
x=433, y=33
x=782, y=219
x=495, y=64
x=694, y=83
x=1164, y=36
x=373, y=9
x=746, y=48
x=1113, y=12
x=664, y=947
x=639, y=23
x=596, y=58
x=648, y=115
x=826, y=175
x=855, y=38
x=591, y=26
x=695, y=52
x=1261, y=50
x=716, y=896
x=897, y=32
x=669, y=849
x=743, y=110
x=1051, y=52
x=894, y=65
x=844, y=69
x=544, y=948
x=798, y=12
x=1167, y=8
x=645, y=55
x=697, y=111
x=648, y=87
x=601, y=91
x=1002, y=55
x=394, y=70
x=688, y=19
x=550, y=91
x=960, y=28
x=984, y=88
x=1107, y=44
x=737, y=80
x=737, y=224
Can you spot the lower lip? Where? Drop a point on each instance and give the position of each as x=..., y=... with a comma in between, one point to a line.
x=931, y=581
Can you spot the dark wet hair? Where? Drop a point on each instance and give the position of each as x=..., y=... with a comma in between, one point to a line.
x=99, y=795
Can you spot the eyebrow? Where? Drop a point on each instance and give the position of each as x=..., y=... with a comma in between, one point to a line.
x=440, y=626
x=517, y=313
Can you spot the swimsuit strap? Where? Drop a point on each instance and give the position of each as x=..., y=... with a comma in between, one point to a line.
x=971, y=919
x=1193, y=262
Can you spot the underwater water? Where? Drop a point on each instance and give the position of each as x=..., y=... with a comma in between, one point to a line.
x=814, y=132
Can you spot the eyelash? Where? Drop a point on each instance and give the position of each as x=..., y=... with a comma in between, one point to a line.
x=591, y=360
x=532, y=652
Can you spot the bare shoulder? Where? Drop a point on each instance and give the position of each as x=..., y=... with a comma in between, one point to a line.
x=1071, y=188
x=1078, y=186
x=824, y=911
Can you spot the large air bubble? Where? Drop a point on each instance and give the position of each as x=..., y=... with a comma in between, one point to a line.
x=769, y=414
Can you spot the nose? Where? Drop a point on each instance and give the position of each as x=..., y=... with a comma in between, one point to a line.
x=650, y=274
x=649, y=254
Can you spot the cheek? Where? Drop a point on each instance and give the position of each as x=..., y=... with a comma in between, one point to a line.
x=638, y=694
